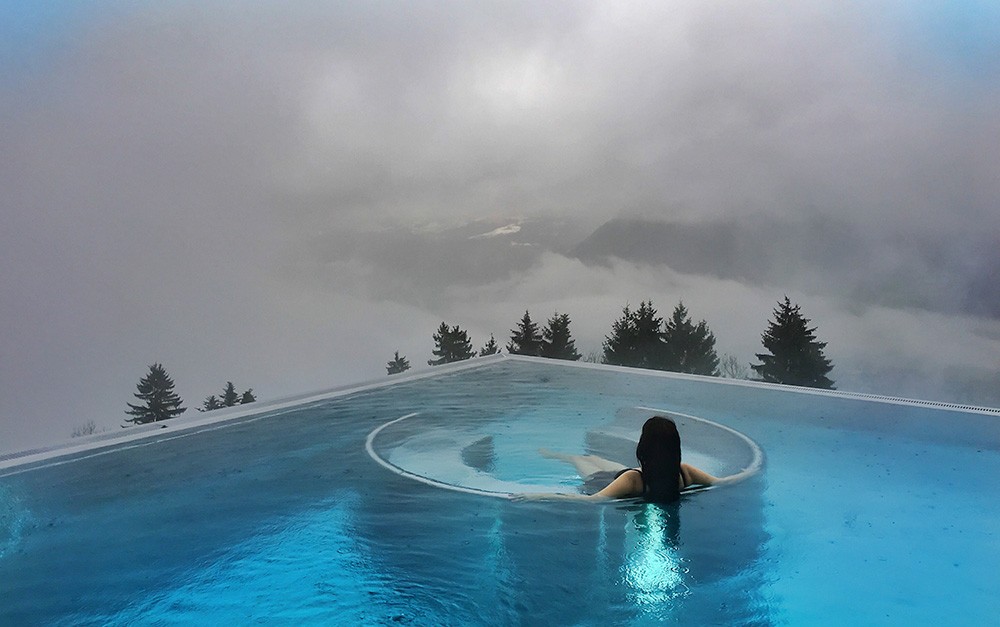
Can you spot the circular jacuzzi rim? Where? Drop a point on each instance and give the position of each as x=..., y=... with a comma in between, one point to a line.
x=751, y=469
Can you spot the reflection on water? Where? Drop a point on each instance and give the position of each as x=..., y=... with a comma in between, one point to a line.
x=13, y=520
x=697, y=561
x=313, y=558
x=653, y=568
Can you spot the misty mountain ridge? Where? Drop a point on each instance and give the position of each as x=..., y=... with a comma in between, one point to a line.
x=414, y=263
x=818, y=255
x=451, y=267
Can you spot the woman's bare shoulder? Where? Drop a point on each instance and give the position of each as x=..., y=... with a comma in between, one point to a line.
x=626, y=485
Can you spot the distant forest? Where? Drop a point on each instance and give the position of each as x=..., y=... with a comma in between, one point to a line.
x=640, y=338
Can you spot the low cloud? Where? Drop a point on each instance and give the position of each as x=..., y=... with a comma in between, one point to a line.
x=274, y=196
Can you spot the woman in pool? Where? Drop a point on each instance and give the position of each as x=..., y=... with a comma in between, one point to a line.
x=660, y=476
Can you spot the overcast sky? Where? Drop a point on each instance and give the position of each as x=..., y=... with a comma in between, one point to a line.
x=203, y=184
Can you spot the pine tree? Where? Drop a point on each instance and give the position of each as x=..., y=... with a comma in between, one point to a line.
x=525, y=339
x=620, y=348
x=229, y=396
x=212, y=402
x=689, y=347
x=159, y=402
x=648, y=337
x=397, y=365
x=795, y=358
x=451, y=345
x=557, y=342
x=490, y=348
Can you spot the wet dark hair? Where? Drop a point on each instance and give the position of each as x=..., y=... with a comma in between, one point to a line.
x=659, y=455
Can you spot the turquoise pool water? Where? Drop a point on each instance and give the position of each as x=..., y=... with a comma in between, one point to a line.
x=865, y=512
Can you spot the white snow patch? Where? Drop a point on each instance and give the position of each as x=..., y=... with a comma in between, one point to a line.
x=509, y=229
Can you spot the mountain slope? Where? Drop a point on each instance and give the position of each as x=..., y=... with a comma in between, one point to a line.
x=819, y=255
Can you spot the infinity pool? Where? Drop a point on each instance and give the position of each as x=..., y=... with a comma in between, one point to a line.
x=864, y=511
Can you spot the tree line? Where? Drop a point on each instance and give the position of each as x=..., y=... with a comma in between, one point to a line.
x=640, y=338
x=158, y=400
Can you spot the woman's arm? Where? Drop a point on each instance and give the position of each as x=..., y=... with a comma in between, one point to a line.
x=552, y=496
x=627, y=485
x=699, y=476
